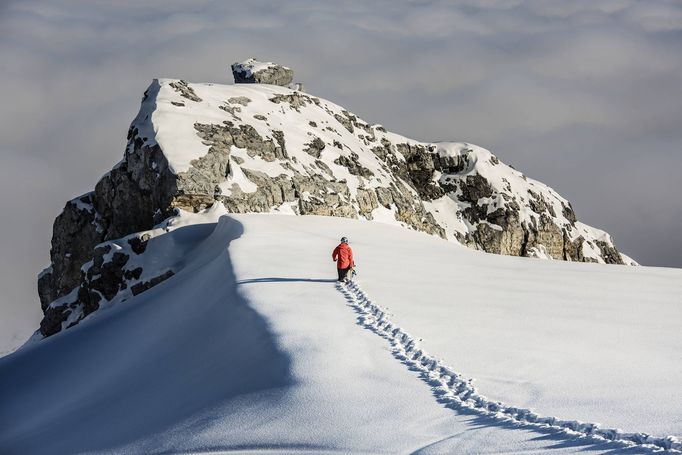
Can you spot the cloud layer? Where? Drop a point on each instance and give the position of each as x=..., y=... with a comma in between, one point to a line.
x=583, y=95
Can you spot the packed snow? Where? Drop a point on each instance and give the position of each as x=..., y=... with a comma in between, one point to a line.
x=251, y=346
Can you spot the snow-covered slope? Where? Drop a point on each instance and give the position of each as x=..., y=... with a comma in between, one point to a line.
x=254, y=348
x=267, y=148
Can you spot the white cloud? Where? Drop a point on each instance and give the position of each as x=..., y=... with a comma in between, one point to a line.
x=657, y=16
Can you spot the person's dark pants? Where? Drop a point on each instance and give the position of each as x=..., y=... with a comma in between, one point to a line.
x=343, y=273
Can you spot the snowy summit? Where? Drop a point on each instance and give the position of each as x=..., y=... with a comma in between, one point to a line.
x=252, y=71
x=191, y=304
x=264, y=148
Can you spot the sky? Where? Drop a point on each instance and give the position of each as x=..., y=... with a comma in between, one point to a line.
x=581, y=95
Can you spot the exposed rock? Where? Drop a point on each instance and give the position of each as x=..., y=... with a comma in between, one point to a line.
x=501, y=231
x=106, y=278
x=609, y=253
x=232, y=110
x=242, y=100
x=139, y=244
x=367, y=202
x=279, y=138
x=383, y=151
x=185, y=91
x=568, y=212
x=538, y=204
x=410, y=210
x=138, y=288
x=137, y=193
x=352, y=163
x=275, y=190
x=252, y=71
x=75, y=233
x=384, y=196
x=315, y=147
x=52, y=321
x=547, y=234
x=345, y=121
x=573, y=250
x=295, y=100
x=420, y=169
x=323, y=166
x=475, y=187
x=493, y=238
x=214, y=169
x=132, y=197
x=211, y=169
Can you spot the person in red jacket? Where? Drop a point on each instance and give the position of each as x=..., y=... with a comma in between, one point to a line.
x=343, y=255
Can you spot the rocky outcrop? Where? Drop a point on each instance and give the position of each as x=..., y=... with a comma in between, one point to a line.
x=185, y=91
x=273, y=149
x=138, y=193
x=76, y=231
x=252, y=71
x=112, y=274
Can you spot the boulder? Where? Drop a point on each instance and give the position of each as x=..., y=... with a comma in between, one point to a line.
x=252, y=71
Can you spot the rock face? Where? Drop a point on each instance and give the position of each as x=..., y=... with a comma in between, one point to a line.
x=264, y=148
x=252, y=71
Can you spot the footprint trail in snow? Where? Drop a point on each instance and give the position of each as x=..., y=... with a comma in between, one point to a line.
x=456, y=391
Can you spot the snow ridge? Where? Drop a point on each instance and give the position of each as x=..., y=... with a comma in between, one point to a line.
x=458, y=392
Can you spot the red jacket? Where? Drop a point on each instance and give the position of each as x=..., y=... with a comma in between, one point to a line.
x=343, y=255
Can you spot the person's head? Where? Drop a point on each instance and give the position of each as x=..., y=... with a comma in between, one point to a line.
x=344, y=239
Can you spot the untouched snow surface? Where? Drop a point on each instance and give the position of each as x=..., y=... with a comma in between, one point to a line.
x=254, y=348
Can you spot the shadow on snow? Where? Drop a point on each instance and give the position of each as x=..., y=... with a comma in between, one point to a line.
x=142, y=366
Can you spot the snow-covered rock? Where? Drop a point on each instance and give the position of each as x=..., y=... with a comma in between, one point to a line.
x=267, y=148
x=252, y=71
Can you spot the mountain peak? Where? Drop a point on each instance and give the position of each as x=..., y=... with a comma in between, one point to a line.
x=263, y=147
x=252, y=71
